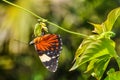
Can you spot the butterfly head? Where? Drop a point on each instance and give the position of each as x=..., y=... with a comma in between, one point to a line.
x=35, y=41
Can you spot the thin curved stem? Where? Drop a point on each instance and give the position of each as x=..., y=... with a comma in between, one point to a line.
x=82, y=35
x=42, y=19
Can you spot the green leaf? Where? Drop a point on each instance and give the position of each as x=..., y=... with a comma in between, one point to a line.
x=111, y=18
x=111, y=71
x=93, y=50
x=43, y=25
x=91, y=65
x=85, y=43
x=113, y=76
x=37, y=30
x=100, y=66
x=39, y=27
x=107, y=25
x=82, y=47
x=97, y=28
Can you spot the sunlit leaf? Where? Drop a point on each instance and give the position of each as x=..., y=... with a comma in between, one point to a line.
x=109, y=22
x=111, y=71
x=95, y=49
x=91, y=65
x=85, y=43
x=100, y=66
x=37, y=30
x=97, y=28
x=111, y=18
x=113, y=76
x=39, y=27
x=82, y=47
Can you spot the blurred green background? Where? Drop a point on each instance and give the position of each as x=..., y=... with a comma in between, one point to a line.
x=19, y=61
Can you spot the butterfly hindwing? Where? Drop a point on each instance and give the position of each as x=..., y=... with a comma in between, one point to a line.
x=49, y=62
x=49, y=47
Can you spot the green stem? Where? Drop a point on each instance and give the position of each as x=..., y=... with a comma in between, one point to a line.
x=82, y=35
x=23, y=9
x=42, y=19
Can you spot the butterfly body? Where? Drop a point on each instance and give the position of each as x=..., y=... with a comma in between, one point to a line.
x=48, y=47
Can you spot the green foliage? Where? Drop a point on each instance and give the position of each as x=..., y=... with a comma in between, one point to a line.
x=39, y=27
x=108, y=24
x=98, y=49
x=113, y=76
x=37, y=30
x=111, y=18
x=97, y=52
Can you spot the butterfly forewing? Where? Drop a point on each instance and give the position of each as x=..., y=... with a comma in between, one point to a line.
x=48, y=48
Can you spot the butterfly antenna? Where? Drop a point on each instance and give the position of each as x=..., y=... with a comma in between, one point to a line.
x=21, y=41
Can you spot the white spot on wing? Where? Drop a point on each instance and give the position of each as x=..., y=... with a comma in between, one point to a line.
x=52, y=65
x=51, y=52
x=61, y=43
x=44, y=58
x=47, y=67
x=60, y=47
x=53, y=57
x=48, y=53
x=54, y=70
x=57, y=55
x=60, y=39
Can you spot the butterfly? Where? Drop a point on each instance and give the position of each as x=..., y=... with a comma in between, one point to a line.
x=49, y=47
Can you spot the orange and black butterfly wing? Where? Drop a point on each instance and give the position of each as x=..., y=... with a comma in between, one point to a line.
x=49, y=47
